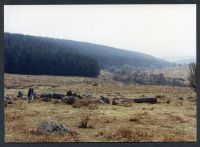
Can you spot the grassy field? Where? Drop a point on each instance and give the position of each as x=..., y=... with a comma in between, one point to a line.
x=172, y=119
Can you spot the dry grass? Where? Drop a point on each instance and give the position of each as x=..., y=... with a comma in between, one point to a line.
x=127, y=135
x=164, y=121
x=84, y=121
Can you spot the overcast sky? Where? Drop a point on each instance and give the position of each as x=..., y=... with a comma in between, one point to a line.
x=158, y=30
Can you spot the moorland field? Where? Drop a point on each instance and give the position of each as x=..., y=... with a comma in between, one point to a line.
x=171, y=119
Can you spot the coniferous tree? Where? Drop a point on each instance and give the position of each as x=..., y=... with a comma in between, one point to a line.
x=37, y=55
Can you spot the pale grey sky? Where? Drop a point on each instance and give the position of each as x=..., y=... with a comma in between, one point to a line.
x=158, y=30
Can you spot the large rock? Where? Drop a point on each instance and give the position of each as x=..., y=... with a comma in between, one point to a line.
x=101, y=102
x=20, y=94
x=69, y=93
x=69, y=100
x=105, y=99
x=151, y=100
x=7, y=100
x=79, y=96
x=31, y=94
x=138, y=100
x=119, y=101
x=24, y=97
x=52, y=127
x=46, y=99
x=43, y=95
x=115, y=102
x=58, y=96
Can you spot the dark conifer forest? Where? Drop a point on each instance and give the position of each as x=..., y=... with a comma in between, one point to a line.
x=26, y=54
x=38, y=56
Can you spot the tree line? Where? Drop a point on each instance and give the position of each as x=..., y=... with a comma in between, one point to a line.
x=44, y=56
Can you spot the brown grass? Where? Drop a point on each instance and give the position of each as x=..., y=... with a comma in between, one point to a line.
x=84, y=121
x=127, y=135
x=164, y=121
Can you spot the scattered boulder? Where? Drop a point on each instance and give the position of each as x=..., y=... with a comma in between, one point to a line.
x=138, y=100
x=69, y=100
x=151, y=100
x=36, y=96
x=58, y=96
x=74, y=94
x=46, y=99
x=24, y=97
x=7, y=100
x=101, y=102
x=48, y=95
x=120, y=101
x=31, y=94
x=105, y=99
x=78, y=96
x=20, y=94
x=69, y=93
x=115, y=102
x=52, y=127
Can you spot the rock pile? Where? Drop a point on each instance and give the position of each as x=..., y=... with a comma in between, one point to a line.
x=52, y=127
x=70, y=98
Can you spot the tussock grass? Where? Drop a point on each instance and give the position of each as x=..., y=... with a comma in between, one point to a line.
x=163, y=121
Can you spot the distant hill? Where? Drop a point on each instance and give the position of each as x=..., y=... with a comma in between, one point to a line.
x=185, y=61
x=109, y=56
x=181, y=59
x=104, y=55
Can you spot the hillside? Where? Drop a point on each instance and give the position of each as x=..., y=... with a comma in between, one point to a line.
x=40, y=56
x=105, y=56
